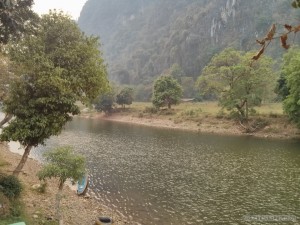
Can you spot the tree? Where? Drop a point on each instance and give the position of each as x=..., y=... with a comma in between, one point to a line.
x=291, y=70
x=239, y=84
x=16, y=18
x=296, y=3
x=63, y=164
x=60, y=65
x=4, y=76
x=104, y=103
x=166, y=92
x=125, y=97
x=176, y=72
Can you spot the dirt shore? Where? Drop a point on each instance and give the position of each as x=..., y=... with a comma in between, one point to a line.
x=276, y=129
x=40, y=207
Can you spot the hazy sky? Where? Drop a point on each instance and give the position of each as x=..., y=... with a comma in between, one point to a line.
x=72, y=7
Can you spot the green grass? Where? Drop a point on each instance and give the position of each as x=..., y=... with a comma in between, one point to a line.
x=207, y=108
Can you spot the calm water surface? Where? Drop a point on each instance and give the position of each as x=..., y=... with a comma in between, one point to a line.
x=159, y=176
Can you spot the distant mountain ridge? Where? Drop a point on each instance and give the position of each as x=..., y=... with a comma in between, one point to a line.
x=143, y=38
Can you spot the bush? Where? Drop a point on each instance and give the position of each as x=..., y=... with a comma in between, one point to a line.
x=40, y=188
x=150, y=109
x=10, y=186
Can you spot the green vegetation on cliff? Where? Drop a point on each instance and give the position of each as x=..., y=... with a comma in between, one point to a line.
x=142, y=38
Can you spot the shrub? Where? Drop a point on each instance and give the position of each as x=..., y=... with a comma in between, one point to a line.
x=151, y=110
x=40, y=188
x=10, y=186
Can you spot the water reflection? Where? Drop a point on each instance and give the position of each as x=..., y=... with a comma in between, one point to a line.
x=173, y=177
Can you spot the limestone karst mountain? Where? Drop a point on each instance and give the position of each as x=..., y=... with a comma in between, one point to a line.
x=143, y=38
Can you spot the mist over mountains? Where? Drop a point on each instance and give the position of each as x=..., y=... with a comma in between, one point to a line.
x=143, y=38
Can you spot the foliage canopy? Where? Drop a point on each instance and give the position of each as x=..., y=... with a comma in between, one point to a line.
x=104, y=103
x=62, y=163
x=166, y=92
x=125, y=97
x=239, y=84
x=58, y=66
x=16, y=18
x=291, y=71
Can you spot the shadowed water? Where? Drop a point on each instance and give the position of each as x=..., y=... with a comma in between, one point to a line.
x=159, y=176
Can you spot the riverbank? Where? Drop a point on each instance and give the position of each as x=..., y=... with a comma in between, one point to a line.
x=203, y=118
x=39, y=207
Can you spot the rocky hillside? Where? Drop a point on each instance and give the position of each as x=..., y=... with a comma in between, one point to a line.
x=143, y=38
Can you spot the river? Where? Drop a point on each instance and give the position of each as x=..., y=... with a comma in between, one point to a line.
x=170, y=177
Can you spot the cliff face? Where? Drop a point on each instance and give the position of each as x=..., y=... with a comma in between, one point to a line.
x=143, y=38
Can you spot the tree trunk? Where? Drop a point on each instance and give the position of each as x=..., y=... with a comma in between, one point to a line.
x=19, y=168
x=169, y=105
x=6, y=119
x=247, y=110
x=58, y=199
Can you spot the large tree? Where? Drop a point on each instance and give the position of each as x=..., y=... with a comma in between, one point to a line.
x=166, y=92
x=239, y=84
x=291, y=71
x=60, y=65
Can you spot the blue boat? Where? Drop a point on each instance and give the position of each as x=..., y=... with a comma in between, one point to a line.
x=82, y=185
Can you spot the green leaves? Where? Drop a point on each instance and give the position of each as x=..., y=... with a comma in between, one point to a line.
x=62, y=163
x=291, y=70
x=238, y=84
x=104, y=103
x=57, y=67
x=166, y=92
x=125, y=97
x=16, y=19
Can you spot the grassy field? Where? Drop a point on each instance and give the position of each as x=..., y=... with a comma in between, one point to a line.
x=206, y=108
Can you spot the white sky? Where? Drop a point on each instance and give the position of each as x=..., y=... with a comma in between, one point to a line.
x=72, y=7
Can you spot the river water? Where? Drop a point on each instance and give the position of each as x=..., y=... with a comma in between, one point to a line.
x=160, y=176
